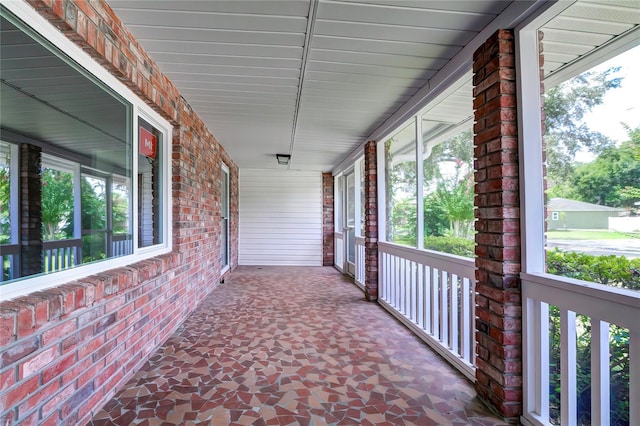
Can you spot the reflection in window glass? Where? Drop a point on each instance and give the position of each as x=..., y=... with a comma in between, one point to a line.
x=448, y=188
x=5, y=193
x=400, y=187
x=149, y=181
x=57, y=204
x=78, y=141
x=94, y=215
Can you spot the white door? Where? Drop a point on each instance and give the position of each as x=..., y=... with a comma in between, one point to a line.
x=350, y=222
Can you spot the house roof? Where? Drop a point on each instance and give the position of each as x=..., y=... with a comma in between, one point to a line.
x=567, y=205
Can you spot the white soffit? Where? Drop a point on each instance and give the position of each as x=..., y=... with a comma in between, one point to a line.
x=253, y=70
x=583, y=28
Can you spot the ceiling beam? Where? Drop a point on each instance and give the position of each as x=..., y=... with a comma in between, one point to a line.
x=311, y=22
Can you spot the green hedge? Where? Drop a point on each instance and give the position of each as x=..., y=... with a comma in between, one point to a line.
x=611, y=270
x=452, y=245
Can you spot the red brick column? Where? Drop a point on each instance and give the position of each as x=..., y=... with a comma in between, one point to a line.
x=498, y=294
x=327, y=220
x=371, y=221
x=31, y=207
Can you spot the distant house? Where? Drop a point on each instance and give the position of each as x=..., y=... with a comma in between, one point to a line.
x=571, y=214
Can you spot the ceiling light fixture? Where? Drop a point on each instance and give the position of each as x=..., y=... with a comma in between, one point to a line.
x=283, y=159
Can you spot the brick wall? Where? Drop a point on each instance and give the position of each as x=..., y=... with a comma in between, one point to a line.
x=67, y=350
x=498, y=297
x=371, y=221
x=327, y=220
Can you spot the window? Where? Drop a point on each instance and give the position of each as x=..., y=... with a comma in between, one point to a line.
x=573, y=202
x=448, y=181
x=433, y=199
x=593, y=170
x=149, y=185
x=401, y=186
x=76, y=146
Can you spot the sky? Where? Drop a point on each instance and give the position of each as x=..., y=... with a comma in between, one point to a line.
x=620, y=105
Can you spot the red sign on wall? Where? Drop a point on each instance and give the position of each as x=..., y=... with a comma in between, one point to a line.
x=147, y=143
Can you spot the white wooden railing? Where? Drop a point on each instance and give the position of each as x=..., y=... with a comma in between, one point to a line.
x=432, y=293
x=603, y=306
x=61, y=254
x=121, y=245
x=57, y=255
x=338, y=248
x=360, y=262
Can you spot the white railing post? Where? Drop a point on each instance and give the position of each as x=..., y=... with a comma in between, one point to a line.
x=569, y=411
x=467, y=329
x=600, y=383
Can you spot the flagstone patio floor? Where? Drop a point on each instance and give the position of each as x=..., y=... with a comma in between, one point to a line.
x=294, y=346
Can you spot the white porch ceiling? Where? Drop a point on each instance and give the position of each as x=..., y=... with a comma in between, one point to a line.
x=310, y=78
x=316, y=78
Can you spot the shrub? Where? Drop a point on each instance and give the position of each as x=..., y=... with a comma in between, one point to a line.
x=452, y=245
x=611, y=270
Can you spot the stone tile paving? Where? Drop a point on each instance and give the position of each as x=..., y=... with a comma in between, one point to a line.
x=293, y=346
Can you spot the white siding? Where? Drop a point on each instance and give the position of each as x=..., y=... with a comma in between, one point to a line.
x=280, y=218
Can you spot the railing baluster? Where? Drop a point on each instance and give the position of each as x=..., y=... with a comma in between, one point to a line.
x=414, y=294
x=435, y=300
x=569, y=411
x=420, y=295
x=467, y=336
x=600, y=411
x=427, y=299
x=444, y=308
x=453, y=314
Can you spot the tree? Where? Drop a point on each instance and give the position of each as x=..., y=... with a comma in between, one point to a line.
x=57, y=204
x=455, y=200
x=566, y=134
x=612, y=179
x=449, y=172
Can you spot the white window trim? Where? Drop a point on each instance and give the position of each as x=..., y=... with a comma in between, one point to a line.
x=41, y=26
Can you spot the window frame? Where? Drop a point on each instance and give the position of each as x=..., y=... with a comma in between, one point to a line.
x=138, y=108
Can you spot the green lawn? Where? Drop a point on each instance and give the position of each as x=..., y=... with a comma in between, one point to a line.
x=586, y=235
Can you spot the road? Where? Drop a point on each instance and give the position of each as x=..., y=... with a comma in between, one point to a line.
x=625, y=247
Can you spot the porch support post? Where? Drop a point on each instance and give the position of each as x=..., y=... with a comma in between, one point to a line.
x=370, y=221
x=31, y=210
x=498, y=288
x=327, y=220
